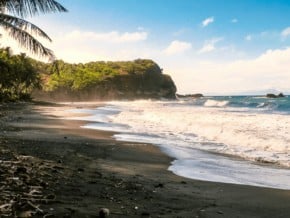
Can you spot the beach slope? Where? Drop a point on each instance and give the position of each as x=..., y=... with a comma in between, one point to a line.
x=50, y=167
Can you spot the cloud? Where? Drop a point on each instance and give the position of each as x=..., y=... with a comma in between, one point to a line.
x=248, y=37
x=180, y=32
x=234, y=20
x=286, y=32
x=207, y=48
x=78, y=46
x=207, y=21
x=177, y=47
x=264, y=35
x=209, y=45
x=272, y=62
x=81, y=46
x=269, y=70
x=111, y=37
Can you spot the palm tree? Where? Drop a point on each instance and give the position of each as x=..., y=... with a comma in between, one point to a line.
x=12, y=14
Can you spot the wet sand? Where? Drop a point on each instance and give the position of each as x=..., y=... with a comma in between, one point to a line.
x=50, y=167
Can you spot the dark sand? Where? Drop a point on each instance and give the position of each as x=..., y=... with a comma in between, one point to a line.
x=50, y=167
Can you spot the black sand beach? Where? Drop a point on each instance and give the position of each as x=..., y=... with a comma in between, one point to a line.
x=50, y=167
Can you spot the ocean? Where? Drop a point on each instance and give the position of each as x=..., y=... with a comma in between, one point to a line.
x=230, y=139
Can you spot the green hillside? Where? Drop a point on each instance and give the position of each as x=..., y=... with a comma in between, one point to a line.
x=58, y=81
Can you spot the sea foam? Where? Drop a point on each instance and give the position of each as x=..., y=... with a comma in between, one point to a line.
x=262, y=137
x=195, y=136
x=213, y=103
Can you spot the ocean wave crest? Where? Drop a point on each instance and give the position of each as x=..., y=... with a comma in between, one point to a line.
x=214, y=103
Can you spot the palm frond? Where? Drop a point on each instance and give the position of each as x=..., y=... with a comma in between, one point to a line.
x=27, y=40
x=26, y=8
x=23, y=25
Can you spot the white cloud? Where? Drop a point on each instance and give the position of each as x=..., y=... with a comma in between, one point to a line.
x=285, y=32
x=207, y=48
x=180, y=32
x=111, y=37
x=209, y=45
x=207, y=21
x=80, y=46
x=270, y=63
x=76, y=46
x=269, y=70
x=234, y=20
x=264, y=35
x=177, y=47
x=248, y=37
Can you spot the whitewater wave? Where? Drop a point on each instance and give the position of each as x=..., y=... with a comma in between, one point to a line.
x=214, y=103
x=268, y=105
x=250, y=103
x=258, y=137
x=194, y=134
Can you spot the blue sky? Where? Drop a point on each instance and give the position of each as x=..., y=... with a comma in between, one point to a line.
x=208, y=46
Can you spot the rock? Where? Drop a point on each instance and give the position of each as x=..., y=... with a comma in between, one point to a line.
x=160, y=185
x=271, y=95
x=104, y=212
x=21, y=170
x=145, y=213
x=51, y=197
x=49, y=215
x=198, y=95
x=71, y=210
x=81, y=170
x=43, y=184
x=25, y=214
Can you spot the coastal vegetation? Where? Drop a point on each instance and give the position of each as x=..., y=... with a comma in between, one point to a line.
x=82, y=76
x=101, y=80
x=18, y=76
x=22, y=76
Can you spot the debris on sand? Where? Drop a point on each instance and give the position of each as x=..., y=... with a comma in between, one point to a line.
x=23, y=184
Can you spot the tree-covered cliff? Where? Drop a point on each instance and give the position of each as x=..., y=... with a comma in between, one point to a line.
x=21, y=76
x=137, y=79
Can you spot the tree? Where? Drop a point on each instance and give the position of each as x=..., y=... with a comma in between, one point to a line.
x=12, y=14
x=18, y=76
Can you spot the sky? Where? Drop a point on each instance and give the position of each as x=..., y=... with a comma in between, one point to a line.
x=207, y=46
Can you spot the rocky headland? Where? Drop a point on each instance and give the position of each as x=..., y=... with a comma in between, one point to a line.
x=197, y=95
x=139, y=79
x=280, y=95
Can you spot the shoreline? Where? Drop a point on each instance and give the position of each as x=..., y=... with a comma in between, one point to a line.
x=209, y=165
x=91, y=170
